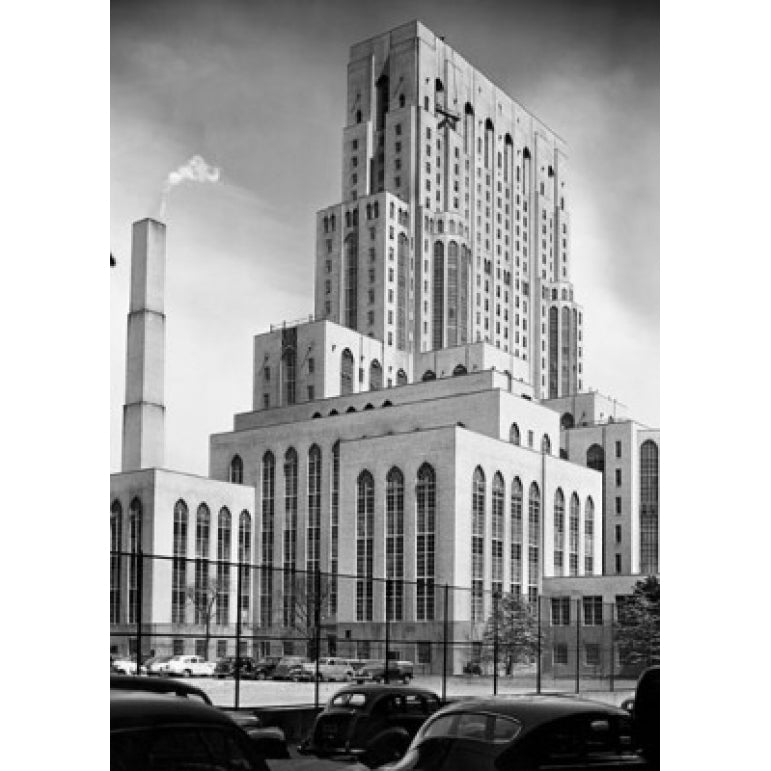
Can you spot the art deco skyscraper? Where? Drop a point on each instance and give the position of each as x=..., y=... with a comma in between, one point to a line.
x=454, y=224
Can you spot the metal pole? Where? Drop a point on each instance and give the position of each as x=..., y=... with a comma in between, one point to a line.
x=578, y=644
x=445, y=642
x=495, y=643
x=239, y=580
x=139, y=569
x=612, y=647
x=538, y=649
x=387, y=628
x=317, y=625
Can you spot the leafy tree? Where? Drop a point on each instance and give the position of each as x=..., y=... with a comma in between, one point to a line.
x=637, y=625
x=516, y=624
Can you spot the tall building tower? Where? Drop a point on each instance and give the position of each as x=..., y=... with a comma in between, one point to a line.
x=454, y=224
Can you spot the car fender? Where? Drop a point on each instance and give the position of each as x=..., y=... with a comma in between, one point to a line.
x=388, y=745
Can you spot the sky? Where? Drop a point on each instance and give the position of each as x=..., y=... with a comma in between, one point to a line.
x=258, y=89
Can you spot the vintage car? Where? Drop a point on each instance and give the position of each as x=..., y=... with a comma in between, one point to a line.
x=330, y=668
x=189, y=666
x=373, y=723
x=398, y=671
x=519, y=733
x=289, y=668
x=126, y=666
x=226, y=667
x=158, y=665
x=264, y=668
x=149, y=731
x=269, y=741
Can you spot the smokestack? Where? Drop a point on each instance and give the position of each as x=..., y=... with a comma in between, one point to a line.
x=144, y=410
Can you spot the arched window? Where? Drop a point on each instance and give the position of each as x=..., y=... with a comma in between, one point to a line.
x=179, y=563
x=401, y=377
x=351, y=409
x=332, y=413
x=595, y=458
x=460, y=370
x=428, y=375
x=425, y=527
x=566, y=421
x=395, y=544
x=365, y=527
x=134, y=546
x=559, y=532
x=499, y=496
x=573, y=536
x=516, y=537
x=116, y=529
x=334, y=528
x=224, y=535
x=237, y=470
x=346, y=372
x=489, y=143
x=533, y=541
x=546, y=444
x=290, y=535
x=245, y=560
x=438, y=295
x=387, y=403
x=202, y=584
x=589, y=537
x=468, y=127
x=368, y=406
x=649, y=508
x=375, y=376
x=268, y=538
x=313, y=534
x=316, y=415
x=514, y=436
x=477, y=544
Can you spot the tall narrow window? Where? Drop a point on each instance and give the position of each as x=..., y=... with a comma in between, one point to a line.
x=402, y=284
x=237, y=470
x=477, y=545
x=514, y=436
x=533, y=541
x=589, y=537
x=289, y=361
x=499, y=496
x=365, y=525
x=313, y=545
x=268, y=538
x=649, y=508
x=553, y=352
x=334, y=525
x=245, y=560
x=516, y=536
x=350, y=279
x=546, y=445
x=202, y=583
x=290, y=536
x=135, y=545
x=425, y=530
x=224, y=531
x=375, y=376
x=559, y=533
x=179, y=563
x=565, y=351
x=116, y=525
x=438, y=295
x=463, y=296
x=346, y=372
x=452, y=293
x=573, y=536
x=395, y=545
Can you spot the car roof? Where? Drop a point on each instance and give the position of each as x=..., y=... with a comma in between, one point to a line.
x=533, y=709
x=132, y=709
x=375, y=688
x=153, y=685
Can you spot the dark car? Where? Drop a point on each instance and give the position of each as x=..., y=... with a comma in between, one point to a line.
x=270, y=742
x=472, y=668
x=265, y=667
x=515, y=733
x=289, y=668
x=151, y=731
x=374, y=670
x=374, y=723
x=226, y=667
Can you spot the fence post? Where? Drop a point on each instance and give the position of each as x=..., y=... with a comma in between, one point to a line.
x=578, y=644
x=387, y=625
x=317, y=632
x=239, y=587
x=495, y=643
x=444, y=643
x=140, y=570
x=612, y=647
x=538, y=649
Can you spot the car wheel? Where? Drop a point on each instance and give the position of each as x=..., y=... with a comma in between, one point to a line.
x=187, y=673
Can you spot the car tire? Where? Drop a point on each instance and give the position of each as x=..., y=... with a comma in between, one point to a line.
x=187, y=673
x=388, y=747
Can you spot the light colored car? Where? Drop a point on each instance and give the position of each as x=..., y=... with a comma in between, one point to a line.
x=191, y=666
x=126, y=666
x=330, y=669
x=159, y=665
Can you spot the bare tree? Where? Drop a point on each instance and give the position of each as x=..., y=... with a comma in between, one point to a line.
x=203, y=597
x=306, y=592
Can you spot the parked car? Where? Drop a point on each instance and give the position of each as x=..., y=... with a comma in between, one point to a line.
x=472, y=668
x=126, y=666
x=330, y=668
x=518, y=733
x=265, y=667
x=149, y=731
x=270, y=742
x=158, y=665
x=188, y=666
x=646, y=714
x=373, y=723
x=289, y=668
x=374, y=670
x=226, y=666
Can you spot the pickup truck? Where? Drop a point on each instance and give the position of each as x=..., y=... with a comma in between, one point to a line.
x=374, y=671
x=190, y=666
x=330, y=669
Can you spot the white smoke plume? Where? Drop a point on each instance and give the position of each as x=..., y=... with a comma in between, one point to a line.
x=195, y=170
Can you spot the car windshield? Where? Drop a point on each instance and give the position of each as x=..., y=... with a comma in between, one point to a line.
x=354, y=699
